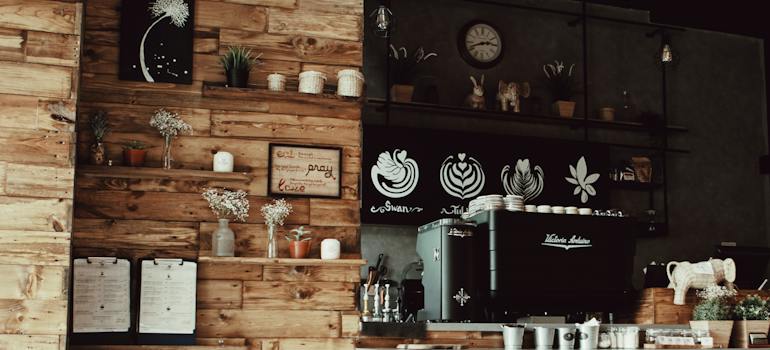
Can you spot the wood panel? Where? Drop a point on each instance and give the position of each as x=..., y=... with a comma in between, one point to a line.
x=312, y=273
x=220, y=294
x=157, y=347
x=348, y=7
x=39, y=181
x=35, y=214
x=298, y=296
x=229, y=15
x=326, y=212
x=42, y=15
x=300, y=47
x=136, y=119
x=29, y=342
x=35, y=80
x=308, y=344
x=327, y=25
x=34, y=248
x=135, y=234
x=48, y=147
x=18, y=112
x=291, y=128
x=229, y=271
x=11, y=44
x=33, y=282
x=42, y=317
x=258, y=323
x=351, y=324
x=53, y=49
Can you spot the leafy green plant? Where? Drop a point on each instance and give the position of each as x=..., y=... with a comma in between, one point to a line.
x=299, y=233
x=753, y=307
x=239, y=58
x=403, y=67
x=135, y=144
x=716, y=304
x=560, y=80
x=99, y=125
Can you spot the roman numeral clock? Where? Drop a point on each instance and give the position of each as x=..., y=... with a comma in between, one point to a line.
x=480, y=44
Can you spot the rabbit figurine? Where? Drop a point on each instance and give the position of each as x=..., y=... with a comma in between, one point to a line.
x=476, y=99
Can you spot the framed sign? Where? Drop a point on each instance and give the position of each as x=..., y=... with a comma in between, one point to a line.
x=307, y=171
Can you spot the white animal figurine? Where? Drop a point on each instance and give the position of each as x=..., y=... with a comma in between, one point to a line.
x=509, y=95
x=700, y=275
x=476, y=99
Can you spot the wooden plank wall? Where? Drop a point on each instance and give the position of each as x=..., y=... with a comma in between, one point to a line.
x=139, y=218
x=39, y=70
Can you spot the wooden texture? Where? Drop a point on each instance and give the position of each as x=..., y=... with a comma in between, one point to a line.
x=44, y=317
x=248, y=301
x=476, y=340
x=29, y=342
x=656, y=306
x=33, y=282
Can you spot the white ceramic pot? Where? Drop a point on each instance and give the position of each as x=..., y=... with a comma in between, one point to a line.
x=311, y=82
x=223, y=162
x=330, y=249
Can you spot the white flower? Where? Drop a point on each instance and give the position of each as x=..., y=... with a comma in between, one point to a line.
x=226, y=204
x=169, y=123
x=276, y=212
x=176, y=9
x=584, y=183
x=715, y=292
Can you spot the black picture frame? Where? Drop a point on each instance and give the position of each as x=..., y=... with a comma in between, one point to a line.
x=466, y=55
x=270, y=171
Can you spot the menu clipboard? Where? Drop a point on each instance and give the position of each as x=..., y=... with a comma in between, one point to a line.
x=101, y=301
x=167, y=301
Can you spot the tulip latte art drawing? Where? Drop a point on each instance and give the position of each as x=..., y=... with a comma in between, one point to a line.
x=395, y=175
x=462, y=177
x=523, y=181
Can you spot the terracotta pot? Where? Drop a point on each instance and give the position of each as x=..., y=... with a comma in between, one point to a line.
x=742, y=329
x=98, y=154
x=401, y=93
x=299, y=249
x=564, y=108
x=719, y=330
x=134, y=157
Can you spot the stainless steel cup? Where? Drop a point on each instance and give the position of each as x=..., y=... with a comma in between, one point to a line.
x=544, y=337
x=589, y=337
x=513, y=336
x=566, y=337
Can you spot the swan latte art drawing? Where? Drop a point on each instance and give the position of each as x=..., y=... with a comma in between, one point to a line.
x=524, y=181
x=395, y=175
x=462, y=177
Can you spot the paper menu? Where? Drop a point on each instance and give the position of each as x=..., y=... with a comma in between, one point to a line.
x=167, y=296
x=101, y=299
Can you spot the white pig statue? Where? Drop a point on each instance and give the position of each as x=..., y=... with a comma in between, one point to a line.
x=700, y=275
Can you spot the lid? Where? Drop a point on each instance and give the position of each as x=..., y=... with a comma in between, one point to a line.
x=350, y=72
x=312, y=73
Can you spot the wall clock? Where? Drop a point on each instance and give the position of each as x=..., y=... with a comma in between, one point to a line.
x=480, y=44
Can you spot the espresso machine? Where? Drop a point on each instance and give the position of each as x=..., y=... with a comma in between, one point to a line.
x=447, y=249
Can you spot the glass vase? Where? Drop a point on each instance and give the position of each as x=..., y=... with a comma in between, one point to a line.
x=167, y=160
x=272, y=243
x=223, y=240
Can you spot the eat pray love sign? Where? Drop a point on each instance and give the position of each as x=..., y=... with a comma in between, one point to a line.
x=308, y=171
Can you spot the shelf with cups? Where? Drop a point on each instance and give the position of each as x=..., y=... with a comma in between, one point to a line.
x=260, y=92
x=124, y=172
x=281, y=261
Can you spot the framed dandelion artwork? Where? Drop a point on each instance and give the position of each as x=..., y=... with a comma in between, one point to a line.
x=156, y=41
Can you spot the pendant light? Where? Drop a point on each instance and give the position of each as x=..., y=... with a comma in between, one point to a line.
x=382, y=21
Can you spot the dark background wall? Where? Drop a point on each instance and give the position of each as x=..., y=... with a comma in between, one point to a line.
x=717, y=90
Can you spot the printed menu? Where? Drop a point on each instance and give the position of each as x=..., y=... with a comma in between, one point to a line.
x=167, y=296
x=101, y=297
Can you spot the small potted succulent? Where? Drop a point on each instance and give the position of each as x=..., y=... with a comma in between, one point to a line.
x=299, y=244
x=134, y=153
x=561, y=82
x=403, y=70
x=751, y=316
x=238, y=62
x=100, y=128
x=714, y=312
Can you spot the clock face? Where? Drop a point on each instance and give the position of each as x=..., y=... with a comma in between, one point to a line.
x=481, y=44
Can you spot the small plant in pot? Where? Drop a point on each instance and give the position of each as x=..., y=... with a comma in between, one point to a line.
x=752, y=316
x=299, y=244
x=100, y=128
x=238, y=63
x=134, y=153
x=713, y=313
x=561, y=82
x=403, y=68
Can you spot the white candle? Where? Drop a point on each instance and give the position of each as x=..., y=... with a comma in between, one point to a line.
x=223, y=162
x=330, y=249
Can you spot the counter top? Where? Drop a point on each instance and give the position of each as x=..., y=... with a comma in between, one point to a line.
x=495, y=327
x=281, y=261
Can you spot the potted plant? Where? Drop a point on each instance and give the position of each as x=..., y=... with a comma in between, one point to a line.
x=274, y=213
x=226, y=205
x=169, y=124
x=402, y=69
x=299, y=245
x=713, y=313
x=238, y=62
x=562, y=85
x=752, y=316
x=100, y=128
x=134, y=153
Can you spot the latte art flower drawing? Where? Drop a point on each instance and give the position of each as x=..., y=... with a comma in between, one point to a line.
x=462, y=177
x=583, y=181
x=395, y=175
x=524, y=181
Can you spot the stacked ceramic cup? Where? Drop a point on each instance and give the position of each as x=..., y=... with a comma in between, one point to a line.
x=514, y=203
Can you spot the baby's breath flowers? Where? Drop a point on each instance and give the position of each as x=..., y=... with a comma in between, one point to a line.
x=276, y=212
x=228, y=204
x=715, y=304
x=169, y=124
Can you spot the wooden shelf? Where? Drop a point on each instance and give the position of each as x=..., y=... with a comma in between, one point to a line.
x=574, y=122
x=256, y=93
x=157, y=347
x=160, y=174
x=282, y=261
x=634, y=185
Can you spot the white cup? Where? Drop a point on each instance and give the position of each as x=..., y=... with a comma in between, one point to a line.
x=589, y=337
x=545, y=209
x=566, y=337
x=223, y=162
x=530, y=208
x=571, y=210
x=544, y=337
x=330, y=249
x=585, y=211
x=513, y=336
x=557, y=209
